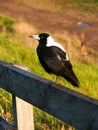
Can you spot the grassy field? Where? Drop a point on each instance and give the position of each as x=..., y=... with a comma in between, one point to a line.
x=62, y=5
x=15, y=51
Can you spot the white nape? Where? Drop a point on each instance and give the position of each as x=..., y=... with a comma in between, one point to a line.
x=51, y=42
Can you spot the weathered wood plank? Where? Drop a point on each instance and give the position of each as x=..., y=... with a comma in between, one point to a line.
x=68, y=105
x=23, y=115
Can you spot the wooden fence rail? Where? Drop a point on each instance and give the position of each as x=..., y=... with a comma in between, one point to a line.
x=74, y=108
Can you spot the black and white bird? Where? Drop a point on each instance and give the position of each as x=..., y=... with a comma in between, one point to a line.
x=54, y=58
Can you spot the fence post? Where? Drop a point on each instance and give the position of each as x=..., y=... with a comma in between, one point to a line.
x=23, y=114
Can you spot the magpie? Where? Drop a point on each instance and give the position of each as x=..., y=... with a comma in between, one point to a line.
x=54, y=58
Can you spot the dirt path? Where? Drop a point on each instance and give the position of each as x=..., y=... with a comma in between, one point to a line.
x=52, y=21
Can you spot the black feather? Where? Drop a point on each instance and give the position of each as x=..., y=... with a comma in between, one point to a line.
x=70, y=75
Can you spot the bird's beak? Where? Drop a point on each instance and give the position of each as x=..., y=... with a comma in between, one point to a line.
x=35, y=37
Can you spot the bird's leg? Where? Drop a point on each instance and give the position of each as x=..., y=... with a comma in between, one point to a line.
x=56, y=79
x=55, y=83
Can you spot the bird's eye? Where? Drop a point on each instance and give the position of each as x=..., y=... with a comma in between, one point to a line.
x=41, y=37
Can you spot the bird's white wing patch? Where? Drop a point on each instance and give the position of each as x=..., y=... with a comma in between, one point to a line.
x=51, y=42
x=64, y=59
x=67, y=57
x=58, y=57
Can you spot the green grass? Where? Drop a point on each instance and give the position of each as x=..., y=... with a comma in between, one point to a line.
x=6, y=23
x=88, y=75
x=19, y=53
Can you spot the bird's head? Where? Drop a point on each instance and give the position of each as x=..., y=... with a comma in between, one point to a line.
x=46, y=40
x=42, y=38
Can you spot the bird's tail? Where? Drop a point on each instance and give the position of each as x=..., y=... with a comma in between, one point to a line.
x=72, y=79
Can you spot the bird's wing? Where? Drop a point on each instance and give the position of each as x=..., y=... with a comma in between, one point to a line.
x=59, y=64
x=55, y=59
x=68, y=72
x=70, y=75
